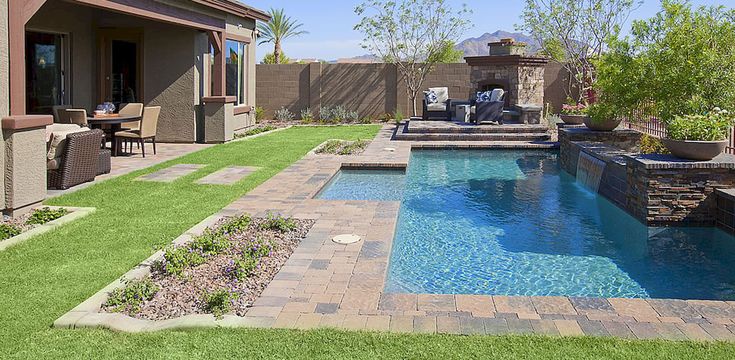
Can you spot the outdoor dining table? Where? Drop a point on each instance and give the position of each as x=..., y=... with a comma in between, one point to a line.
x=115, y=123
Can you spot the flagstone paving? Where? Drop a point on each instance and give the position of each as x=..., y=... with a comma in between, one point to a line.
x=171, y=173
x=325, y=284
x=228, y=175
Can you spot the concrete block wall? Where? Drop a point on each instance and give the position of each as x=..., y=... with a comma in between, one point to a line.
x=372, y=89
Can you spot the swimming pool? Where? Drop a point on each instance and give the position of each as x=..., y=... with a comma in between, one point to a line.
x=511, y=222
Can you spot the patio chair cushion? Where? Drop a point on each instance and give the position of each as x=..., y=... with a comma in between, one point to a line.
x=53, y=164
x=442, y=94
x=436, y=107
x=483, y=96
x=497, y=95
x=430, y=97
x=58, y=142
x=51, y=129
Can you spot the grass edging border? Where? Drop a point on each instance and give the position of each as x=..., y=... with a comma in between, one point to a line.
x=74, y=214
x=88, y=314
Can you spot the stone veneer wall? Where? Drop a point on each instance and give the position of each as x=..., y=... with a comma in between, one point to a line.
x=525, y=83
x=658, y=190
x=726, y=210
x=376, y=89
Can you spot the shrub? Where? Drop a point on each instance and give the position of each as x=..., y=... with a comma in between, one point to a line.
x=354, y=147
x=8, y=230
x=714, y=126
x=255, y=131
x=337, y=114
x=210, y=243
x=306, y=115
x=652, y=145
x=366, y=120
x=44, y=215
x=330, y=147
x=259, y=248
x=278, y=223
x=243, y=267
x=219, y=302
x=235, y=225
x=177, y=259
x=259, y=113
x=398, y=116
x=284, y=114
x=246, y=264
x=132, y=295
x=602, y=111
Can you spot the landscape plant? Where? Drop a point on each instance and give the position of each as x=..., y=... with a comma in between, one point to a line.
x=679, y=63
x=284, y=114
x=259, y=113
x=279, y=28
x=306, y=115
x=129, y=297
x=45, y=214
x=278, y=222
x=270, y=59
x=713, y=126
x=255, y=131
x=218, y=302
x=9, y=230
x=574, y=33
x=411, y=34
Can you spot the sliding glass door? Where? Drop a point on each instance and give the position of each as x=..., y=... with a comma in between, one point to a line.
x=44, y=72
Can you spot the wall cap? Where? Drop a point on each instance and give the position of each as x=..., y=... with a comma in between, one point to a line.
x=21, y=122
x=219, y=99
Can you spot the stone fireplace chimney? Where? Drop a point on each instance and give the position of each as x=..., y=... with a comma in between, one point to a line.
x=508, y=67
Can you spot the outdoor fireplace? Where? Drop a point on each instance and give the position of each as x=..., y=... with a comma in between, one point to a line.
x=509, y=68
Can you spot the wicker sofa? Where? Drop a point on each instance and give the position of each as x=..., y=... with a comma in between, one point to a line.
x=81, y=160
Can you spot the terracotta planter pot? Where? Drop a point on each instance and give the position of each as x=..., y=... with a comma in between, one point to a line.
x=573, y=119
x=607, y=125
x=695, y=150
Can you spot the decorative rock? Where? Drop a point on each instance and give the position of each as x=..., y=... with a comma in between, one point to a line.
x=346, y=239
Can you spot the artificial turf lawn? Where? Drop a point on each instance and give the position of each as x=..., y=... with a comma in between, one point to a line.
x=47, y=276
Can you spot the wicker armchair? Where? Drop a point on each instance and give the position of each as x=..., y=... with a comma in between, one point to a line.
x=484, y=111
x=442, y=108
x=79, y=162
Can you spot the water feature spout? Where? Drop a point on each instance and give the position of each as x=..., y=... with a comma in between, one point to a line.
x=589, y=171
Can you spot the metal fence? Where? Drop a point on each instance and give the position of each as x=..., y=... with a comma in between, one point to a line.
x=656, y=128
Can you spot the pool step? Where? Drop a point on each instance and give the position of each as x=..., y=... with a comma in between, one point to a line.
x=526, y=136
x=472, y=129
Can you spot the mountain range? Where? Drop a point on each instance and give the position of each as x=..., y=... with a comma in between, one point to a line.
x=476, y=46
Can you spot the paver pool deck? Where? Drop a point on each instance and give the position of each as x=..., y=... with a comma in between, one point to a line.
x=325, y=284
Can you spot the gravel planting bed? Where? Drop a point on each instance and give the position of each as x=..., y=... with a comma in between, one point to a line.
x=13, y=226
x=342, y=147
x=178, y=295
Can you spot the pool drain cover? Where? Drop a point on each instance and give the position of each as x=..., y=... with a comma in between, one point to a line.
x=346, y=239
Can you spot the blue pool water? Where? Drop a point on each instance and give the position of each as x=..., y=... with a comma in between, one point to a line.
x=513, y=223
x=385, y=185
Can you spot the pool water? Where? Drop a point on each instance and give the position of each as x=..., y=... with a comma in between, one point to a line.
x=382, y=185
x=511, y=222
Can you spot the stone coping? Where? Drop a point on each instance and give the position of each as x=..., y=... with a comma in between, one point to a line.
x=657, y=161
x=21, y=122
x=324, y=284
x=726, y=193
x=74, y=214
x=602, y=151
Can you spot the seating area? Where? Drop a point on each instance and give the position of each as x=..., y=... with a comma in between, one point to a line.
x=484, y=106
x=77, y=144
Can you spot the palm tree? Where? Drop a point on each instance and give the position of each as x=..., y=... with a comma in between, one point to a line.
x=280, y=27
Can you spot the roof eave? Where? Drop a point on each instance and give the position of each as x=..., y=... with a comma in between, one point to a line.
x=236, y=8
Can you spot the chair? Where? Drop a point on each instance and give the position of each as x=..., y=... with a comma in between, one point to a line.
x=442, y=108
x=60, y=115
x=148, y=127
x=78, y=161
x=77, y=116
x=491, y=110
x=131, y=109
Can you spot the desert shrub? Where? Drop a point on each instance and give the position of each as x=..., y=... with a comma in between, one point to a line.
x=8, y=230
x=278, y=223
x=284, y=114
x=259, y=113
x=337, y=114
x=652, y=145
x=132, y=295
x=366, y=120
x=398, y=116
x=44, y=215
x=330, y=147
x=306, y=115
x=218, y=302
x=354, y=147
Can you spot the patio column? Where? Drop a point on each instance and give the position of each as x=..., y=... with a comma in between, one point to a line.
x=19, y=12
x=217, y=38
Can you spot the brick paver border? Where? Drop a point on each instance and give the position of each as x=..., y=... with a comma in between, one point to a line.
x=324, y=284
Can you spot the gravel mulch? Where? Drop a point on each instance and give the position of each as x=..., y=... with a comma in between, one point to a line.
x=182, y=295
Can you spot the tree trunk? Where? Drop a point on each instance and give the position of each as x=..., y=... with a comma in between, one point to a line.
x=277, y=52
x=413, y=104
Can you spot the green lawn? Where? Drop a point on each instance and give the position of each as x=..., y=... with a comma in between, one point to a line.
x=50, y=274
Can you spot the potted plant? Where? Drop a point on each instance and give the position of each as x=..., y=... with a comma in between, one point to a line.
x=573, y=113
x=602, y=117
x=698, y=137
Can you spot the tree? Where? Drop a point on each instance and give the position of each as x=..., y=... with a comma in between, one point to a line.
x=410, y=34
x=680, y=62
x=279, y=28
x=573, y=32
x=269, y=58
x=448, y=54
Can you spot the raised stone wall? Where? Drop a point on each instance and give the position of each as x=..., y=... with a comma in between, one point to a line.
x=726, y=209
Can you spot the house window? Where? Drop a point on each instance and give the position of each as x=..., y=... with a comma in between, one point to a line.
x=235, y=84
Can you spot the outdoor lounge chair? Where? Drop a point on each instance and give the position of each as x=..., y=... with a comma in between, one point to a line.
x=489, y=110
x=79, y=159
x=440, y=107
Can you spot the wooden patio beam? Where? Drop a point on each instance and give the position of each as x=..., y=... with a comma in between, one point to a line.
x=219, y=72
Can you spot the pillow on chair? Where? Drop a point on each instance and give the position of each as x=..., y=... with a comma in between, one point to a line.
x=430, y=97
x=442, y=94
x=483, y=96
x=497, y=95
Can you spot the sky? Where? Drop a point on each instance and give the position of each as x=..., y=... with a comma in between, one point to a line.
x=330, y=23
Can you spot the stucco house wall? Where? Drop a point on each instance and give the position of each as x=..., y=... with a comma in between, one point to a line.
x=4, y=86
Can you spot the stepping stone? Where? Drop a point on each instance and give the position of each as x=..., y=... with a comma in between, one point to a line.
x=172, y=173
x=228, y=175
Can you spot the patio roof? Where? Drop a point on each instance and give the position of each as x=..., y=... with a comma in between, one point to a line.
x=236, y=8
